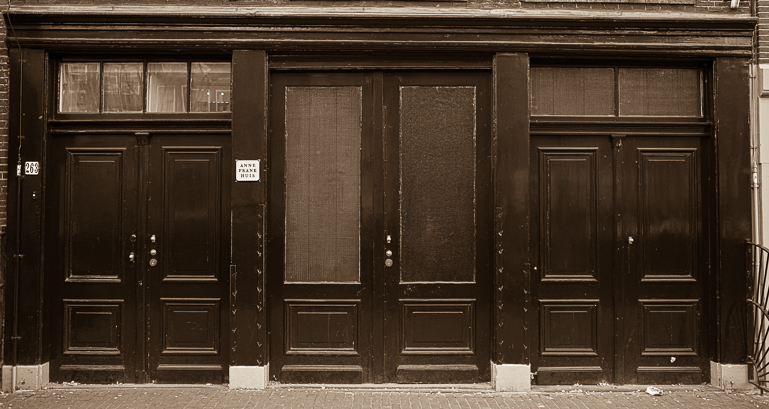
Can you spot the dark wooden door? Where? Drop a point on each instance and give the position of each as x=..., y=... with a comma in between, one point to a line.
x=619, y=234
x=368, y=169
x=437, y=227
x=116, y=315
x=665, y=232
x=187, y=218
x=320, y=234
x=91, y=228
x=572, y=277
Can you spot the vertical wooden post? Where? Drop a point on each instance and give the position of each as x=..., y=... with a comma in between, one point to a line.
x=248, y=319
x=511, y=201
x=732, y=147
x=26, y=126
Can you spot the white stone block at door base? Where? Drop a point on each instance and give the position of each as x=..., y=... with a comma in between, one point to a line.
x=249, y=377
x=511, y=378
x=28, y=377
x=729, y=376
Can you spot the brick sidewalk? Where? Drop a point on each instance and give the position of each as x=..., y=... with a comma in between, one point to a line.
x=286, y=397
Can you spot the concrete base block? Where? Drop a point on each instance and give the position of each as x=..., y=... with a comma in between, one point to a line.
x=511, y=378
x=729, y=376
x=28, y=377
x=249, y=377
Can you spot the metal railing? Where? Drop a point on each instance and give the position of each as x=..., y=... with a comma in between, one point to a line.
x=758, y=315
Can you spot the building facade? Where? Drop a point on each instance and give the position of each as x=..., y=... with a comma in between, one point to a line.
x=520, y=193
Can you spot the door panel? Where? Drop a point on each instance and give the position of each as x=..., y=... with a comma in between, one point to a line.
x=664, y=302
x=571, y=185
x=188, y=291
x=91, y=215
x=320, y=245
x=110, y=202
x=437, y=216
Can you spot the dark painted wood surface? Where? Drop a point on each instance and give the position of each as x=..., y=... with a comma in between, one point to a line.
x=572, y=236
x=321, y=326
x=432, y=324
x=92, y=207
x=665, y=229
x=296, y=29
x=732, y=146
x=438, y=169
x=119, y=312
x=187, y=324
x=511, y=209
x=248, y=320
x=630, y=312
x=27, y=130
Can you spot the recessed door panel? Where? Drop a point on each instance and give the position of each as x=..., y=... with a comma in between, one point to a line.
x=437, y=138
x=94, y=213
x=192, y=178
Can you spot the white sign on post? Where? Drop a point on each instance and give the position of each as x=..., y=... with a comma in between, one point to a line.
x=247, y=170
x=31, y=168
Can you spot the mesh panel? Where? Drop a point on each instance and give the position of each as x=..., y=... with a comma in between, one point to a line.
x=572, y=91
x=660, y=92
x=323, y=140
x=437, y=163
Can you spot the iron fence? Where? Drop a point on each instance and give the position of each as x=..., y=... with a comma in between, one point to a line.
x=758, y=315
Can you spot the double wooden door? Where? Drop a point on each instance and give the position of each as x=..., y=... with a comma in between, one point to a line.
x=135, y=257
x=620, y=237
x=379, y=234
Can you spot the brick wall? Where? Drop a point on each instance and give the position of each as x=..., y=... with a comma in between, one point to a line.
x=4, y=90
x=763, y=31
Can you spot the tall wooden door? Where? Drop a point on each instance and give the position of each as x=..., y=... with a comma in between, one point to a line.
x=378, y=243
x=573, y=273
x=136, y=258
x=437, y=227
x=665, y=230
x=321, y=229
x=619, y=233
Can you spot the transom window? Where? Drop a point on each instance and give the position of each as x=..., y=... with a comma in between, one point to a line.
x=139, y=87
x=617, y=92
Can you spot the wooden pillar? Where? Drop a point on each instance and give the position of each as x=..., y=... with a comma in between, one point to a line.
x=28, y=98
x=511, y=201
x=248, y=319
x=732, y=154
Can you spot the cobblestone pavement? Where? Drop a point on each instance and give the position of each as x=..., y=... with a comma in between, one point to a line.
x=288, y=397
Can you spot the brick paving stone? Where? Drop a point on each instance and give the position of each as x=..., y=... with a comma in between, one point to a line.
x=219, y=397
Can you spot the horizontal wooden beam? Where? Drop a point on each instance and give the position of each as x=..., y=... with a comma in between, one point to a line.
x=319, y=30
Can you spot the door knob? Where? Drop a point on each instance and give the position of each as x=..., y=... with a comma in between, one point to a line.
x=153, y=252
x=388, y=253
x=131, y=257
